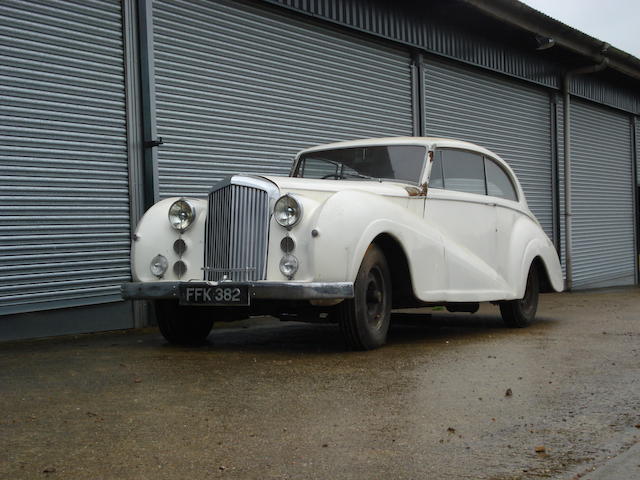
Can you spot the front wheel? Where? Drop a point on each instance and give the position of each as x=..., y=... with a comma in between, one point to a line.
x=183, y=325
x=520, y=313
x=364, y=320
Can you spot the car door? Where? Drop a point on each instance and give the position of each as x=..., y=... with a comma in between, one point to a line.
x=458, y=205
x=501, y=189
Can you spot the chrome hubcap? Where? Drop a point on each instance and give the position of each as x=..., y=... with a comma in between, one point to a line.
x=375, y=298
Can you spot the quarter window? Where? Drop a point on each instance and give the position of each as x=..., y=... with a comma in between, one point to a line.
x=498, y=183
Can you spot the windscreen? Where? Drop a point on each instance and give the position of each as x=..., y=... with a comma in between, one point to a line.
x=391, y=162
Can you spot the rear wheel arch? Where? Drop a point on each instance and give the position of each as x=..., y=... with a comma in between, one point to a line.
x=544, y=280
x=520, y=312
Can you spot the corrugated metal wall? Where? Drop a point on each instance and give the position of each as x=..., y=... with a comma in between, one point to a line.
x=602, y=196
x=593, y=88
x=64, y=222
x=511, y=119
x=416, y=25
x=242, y=88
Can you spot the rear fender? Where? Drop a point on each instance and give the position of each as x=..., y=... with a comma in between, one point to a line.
x=528, y=242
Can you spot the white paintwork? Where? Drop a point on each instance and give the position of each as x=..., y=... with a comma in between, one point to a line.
x=460, y=247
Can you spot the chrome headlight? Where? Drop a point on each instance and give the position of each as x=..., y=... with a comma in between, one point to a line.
x=287, y=211
x=181, y=214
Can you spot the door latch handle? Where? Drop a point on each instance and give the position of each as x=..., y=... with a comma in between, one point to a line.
x=153, y=143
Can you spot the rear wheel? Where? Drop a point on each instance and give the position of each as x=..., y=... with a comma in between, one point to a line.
x=183, y=325
x=520, y=313
x=364, y=320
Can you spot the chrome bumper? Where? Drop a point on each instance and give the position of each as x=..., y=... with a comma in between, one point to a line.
x=257, y=290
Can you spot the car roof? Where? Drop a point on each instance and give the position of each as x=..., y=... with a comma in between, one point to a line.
x=429, y=142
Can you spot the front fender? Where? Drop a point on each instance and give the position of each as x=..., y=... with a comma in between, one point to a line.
x=154, y=235
x=349, y=221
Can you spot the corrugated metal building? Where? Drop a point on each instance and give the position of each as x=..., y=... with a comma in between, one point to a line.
x=88, y=88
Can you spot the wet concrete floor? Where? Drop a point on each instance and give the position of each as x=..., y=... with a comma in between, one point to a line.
x=453, y=396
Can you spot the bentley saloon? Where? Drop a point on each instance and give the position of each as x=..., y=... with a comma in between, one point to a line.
x=357, y=229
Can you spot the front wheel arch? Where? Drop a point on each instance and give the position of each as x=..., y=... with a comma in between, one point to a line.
x=364, y=319
x=401, y=281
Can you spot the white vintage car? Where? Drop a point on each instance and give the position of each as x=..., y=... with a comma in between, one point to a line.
x=356, y=229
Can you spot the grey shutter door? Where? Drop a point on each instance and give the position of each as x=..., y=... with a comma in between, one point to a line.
x=64, y=221
x=241, y=88
x=602, y=197
x=637, y=147
x=508, y=118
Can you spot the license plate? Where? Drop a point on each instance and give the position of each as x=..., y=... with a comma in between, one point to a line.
x=210, y=295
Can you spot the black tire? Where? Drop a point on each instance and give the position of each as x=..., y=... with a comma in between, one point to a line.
x=520, y=313
x=183, y=325
x=364, y=320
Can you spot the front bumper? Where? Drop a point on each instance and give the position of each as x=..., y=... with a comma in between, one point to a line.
x=257, y=290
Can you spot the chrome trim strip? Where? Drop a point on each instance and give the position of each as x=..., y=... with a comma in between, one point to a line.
x=253, y=181
x=257, y=290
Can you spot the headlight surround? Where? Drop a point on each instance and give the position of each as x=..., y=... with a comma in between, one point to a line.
x=181, y=214
x=289, y=265
x=287, y=211
x=159, y=265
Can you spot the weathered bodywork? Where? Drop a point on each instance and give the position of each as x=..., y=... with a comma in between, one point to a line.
x=441, y=246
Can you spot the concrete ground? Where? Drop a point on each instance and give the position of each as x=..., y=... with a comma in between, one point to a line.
x=454, y=396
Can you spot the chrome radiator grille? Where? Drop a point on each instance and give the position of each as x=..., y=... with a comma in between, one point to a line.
x=237, y=234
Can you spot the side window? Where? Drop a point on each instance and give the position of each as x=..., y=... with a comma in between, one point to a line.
x=436, y=179
x=463, y=171
x=498, y=182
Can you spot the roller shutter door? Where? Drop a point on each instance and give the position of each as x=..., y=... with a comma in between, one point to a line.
x=64, y=226
x=602, y=196
x=637, y=147
x=505, y=117
x=242, y=88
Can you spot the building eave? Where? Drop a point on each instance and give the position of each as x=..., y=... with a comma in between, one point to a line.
x=522, y=16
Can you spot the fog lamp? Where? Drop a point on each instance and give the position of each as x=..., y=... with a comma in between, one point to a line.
x=159, y=265
x=289, y=265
